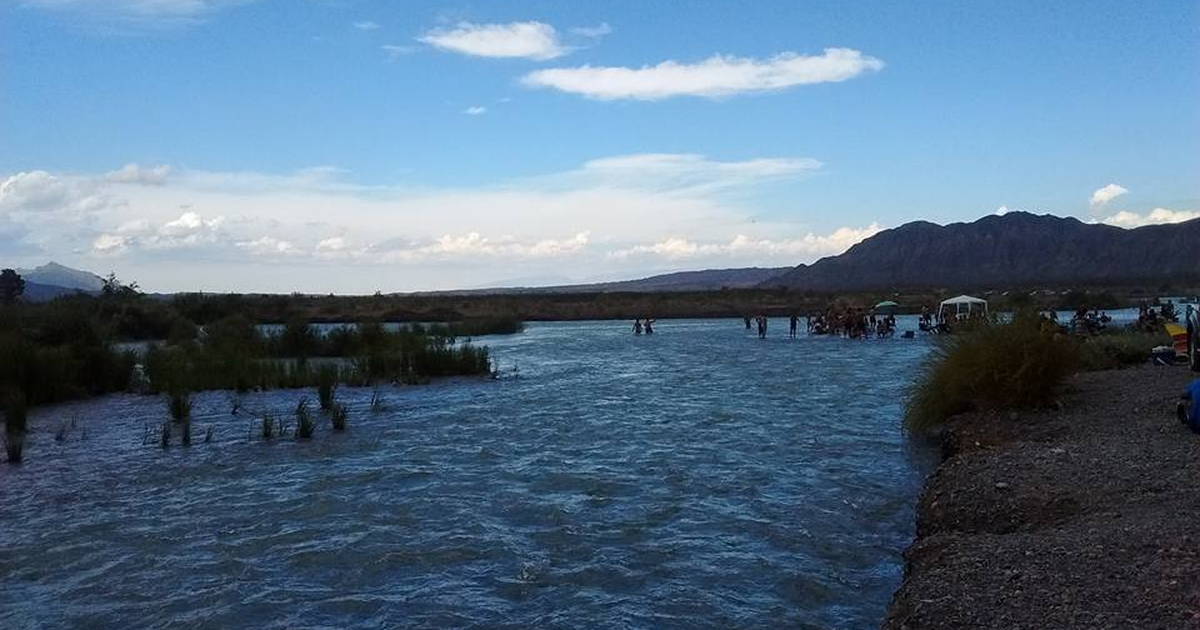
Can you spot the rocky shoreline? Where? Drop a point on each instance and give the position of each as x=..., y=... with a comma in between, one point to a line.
x=1085, y=516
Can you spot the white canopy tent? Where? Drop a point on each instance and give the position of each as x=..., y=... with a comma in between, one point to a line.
x=963, y=305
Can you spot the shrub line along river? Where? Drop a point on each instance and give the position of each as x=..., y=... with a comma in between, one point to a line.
x=696, y=478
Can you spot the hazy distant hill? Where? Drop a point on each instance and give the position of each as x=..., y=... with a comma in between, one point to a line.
x=55, y=275
x=706, y=280
x=1017, y=249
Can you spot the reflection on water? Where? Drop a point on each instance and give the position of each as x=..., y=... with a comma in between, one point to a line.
x=699, y=477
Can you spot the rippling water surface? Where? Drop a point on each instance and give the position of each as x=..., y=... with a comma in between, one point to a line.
x=697, y=478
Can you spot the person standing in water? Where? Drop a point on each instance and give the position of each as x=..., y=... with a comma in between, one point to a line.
x=747, y=318
x=649, y=325
x=637, y=326
x=762, y=326
x=795, y=321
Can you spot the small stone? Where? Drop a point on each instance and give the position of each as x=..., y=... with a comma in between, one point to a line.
x=1058, y=451
x=1000, y=485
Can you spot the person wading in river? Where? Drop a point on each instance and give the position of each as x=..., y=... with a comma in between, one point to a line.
x=637, y=326
x=795, y=321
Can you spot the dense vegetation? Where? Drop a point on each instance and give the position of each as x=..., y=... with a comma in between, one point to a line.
x=69, y=348
x=1015, y=364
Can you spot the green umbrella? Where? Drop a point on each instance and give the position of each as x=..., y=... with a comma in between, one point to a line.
x=886, y=305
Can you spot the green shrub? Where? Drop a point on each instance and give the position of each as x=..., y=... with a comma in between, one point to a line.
x=998, y=366
x=1115, y=350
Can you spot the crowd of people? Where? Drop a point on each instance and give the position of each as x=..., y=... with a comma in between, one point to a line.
x=1150, y=318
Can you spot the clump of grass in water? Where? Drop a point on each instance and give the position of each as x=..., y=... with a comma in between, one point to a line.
x=14, y=444
x=268, y=426
x=179, y=403
x=327, y=382
x=997, y=366
x=338, y=416
x=165, y=435
x=16, y=414
x=304, y=421
x=185, y=432
x=376, y=401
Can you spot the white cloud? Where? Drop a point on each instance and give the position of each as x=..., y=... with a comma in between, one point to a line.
x=366, y=25
x=741, y=246
x=474, y=244
x=613, y=216
x=1157, y=216
x=528, y=40
x=268, y=246
x=593, y=32
x=714, y=77
x=134, y=174
x=110, y=244
x=475, y=110
x=1106, y=194
x=332, y=244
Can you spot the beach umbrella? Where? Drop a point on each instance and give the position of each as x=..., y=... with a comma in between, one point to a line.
x=886, y=305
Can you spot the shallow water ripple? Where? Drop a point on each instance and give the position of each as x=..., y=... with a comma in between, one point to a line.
x=698, y=478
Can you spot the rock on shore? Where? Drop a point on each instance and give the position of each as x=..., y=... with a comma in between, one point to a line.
x=1082, y=517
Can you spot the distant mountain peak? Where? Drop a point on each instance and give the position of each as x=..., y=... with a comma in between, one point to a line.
x=59, y=275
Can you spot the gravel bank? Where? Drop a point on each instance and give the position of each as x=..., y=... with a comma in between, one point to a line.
x=1082, y=517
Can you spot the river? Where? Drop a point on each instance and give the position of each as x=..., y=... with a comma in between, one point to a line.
x=695, y=478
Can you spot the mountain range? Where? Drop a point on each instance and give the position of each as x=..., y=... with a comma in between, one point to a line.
x=1017, y=249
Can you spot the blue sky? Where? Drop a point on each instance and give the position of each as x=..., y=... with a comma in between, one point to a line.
x=340, y=145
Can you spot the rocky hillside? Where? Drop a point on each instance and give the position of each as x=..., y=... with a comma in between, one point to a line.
x=1015, y=250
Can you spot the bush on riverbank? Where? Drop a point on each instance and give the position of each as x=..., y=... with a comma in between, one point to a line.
x=1016, y=364
x=1001, y=366
x=1110, y=351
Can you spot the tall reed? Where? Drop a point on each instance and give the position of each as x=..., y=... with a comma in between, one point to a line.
x=16, y=413
x=14, y=444
x=327, y=382
x=304, y=421
x=338, y=416
x=179, y=402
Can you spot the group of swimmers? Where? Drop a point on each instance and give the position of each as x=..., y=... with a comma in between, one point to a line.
x=852, y=323
x=647, y=327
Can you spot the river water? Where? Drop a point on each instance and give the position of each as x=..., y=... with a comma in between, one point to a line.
x=696, y=478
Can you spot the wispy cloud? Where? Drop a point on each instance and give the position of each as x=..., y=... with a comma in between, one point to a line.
x=744, y=247
x=366, y=25
x=475, y=110
x=593, y=32
x=395, y=51
x=124, y=14
x=528, y=40
x=1106, y=194
x=717, y=76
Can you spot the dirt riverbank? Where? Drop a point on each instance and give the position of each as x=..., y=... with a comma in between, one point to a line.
x=1087, y=516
